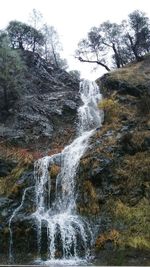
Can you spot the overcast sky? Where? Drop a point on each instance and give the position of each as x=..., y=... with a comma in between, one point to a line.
x=72, y=19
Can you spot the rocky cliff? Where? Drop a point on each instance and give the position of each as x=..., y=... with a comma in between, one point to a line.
x=39, y=122
x=113, y=176
x=46, y=108
x=115, y=171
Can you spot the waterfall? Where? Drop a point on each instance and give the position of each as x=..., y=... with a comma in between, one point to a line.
x=68, y=234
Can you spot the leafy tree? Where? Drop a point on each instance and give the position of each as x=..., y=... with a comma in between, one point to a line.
x=11, y=71
x=91, y=50
x=75, y=74
x=36, y=22
x=24, y=36
x=102, y=40
x=138, y=33
x=36, y=19
x=112, y=38
x=122, y=43
x=52, y=47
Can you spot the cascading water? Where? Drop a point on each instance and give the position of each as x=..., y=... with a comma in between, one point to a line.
x=68, y=234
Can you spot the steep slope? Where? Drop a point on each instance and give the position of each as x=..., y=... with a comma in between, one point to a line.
x=113, y=176
x=46, y=109
x=42, y=121
x=115, y=172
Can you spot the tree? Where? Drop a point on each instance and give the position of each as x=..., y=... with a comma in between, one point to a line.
x=11, y=71
x=36, y=19
x=112, y=36
x=91, y=49
x=52, y=47
x=122, y=43
x=75, y=74
x=102, y=40
x=137, y=33
x=24, y=36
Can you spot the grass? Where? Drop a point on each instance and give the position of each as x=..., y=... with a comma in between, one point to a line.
x=24, y=161
x=135, y=73
x=55, y=169
x=135, y=225
x=135, y=169
x=90, y=197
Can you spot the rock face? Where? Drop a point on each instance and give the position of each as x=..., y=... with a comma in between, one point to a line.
x=42, y=121
x=113, y=176
x=114, y=172
x=46, y=109
x=134, y=79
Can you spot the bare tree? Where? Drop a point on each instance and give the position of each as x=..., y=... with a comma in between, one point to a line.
x=52, y=47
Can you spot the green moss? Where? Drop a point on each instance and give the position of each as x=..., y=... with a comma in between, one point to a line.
x=134, y=221
x=90, y=204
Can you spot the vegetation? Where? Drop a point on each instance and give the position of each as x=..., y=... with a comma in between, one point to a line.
x=24, y=36
x=39, y=38
x=75, y=74
x=52, y=47
x=11, y=71
x=54, y=170
x=135, y=224
x=36, y=37
x=23, y=162
x=125, y=42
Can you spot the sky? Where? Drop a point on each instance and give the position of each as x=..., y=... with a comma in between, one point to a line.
x=72, y=19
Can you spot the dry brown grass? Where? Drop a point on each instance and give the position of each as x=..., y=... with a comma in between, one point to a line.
x=134, y=221
x=91, y=207
x=135, y=169
x=112, y=235
x=54, y=170
x=135, y=73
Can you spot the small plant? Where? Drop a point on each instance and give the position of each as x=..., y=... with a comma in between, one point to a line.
x=111, y=109
x=55, y=169
x=112, y=236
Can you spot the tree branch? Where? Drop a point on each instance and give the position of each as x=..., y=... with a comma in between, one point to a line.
x=94, y=61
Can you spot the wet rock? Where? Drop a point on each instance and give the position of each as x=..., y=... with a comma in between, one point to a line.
x=6, y=167
x=146, y=144
x=48, y=105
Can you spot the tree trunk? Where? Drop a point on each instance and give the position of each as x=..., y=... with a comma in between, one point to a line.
x=55, y=58
x=117, y=57
x=134, y=49
x=21, y=45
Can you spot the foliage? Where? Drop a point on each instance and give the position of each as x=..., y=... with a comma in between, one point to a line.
x=36, y=19
x=135, y=169
x=124, y=42
x=37, y=37
x=111, y=108
x=89, y=204
x=112, y=235
x=75, y=74
x=11, y=71
x=52, y=47
x=55, y=169
x=136, y=220
x=24, y=36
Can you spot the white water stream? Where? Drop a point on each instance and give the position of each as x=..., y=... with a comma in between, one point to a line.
x=68, y=234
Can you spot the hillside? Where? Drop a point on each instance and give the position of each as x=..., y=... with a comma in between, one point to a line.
x=115, y=171
x=113, y=176
x=46, y=108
